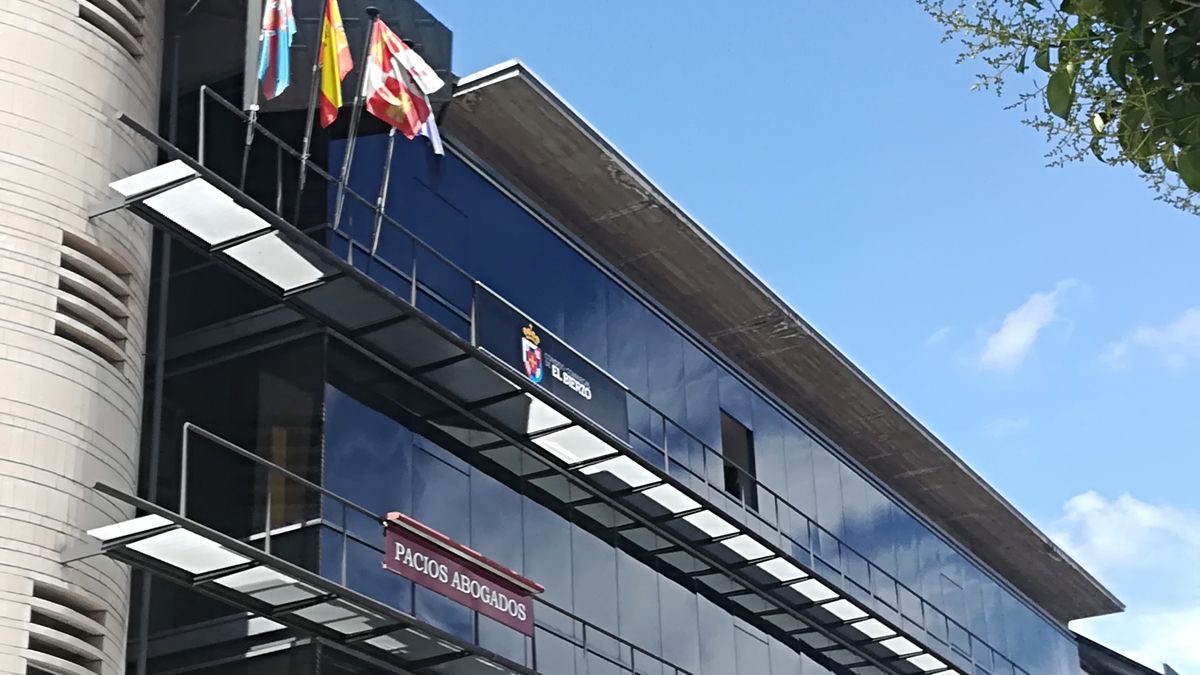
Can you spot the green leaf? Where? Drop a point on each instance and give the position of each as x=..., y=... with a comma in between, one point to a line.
x=1041, y=57
x=1119, y=61
x=1021, y=63
x=1085, y=8
x=1096, y=148
x=1189, y=167
x=1116, y=70
x=1158, y=55
x=1129, y=130
x=1060, y=92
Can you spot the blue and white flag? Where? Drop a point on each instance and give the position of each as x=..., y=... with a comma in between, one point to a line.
x=274, y=57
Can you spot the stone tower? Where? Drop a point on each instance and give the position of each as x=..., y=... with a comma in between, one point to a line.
x=73, y=300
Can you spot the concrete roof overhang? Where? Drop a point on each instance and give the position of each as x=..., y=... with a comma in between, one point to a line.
x=512, y=121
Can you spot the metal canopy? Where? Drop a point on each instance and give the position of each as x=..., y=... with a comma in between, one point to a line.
x=506, y=420
x=195, y=556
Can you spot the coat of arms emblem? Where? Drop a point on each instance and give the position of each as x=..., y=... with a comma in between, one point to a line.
x=531, y=354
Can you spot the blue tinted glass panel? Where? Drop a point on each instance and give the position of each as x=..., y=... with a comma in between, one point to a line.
x=585, y=313
x=368, y=456
x=701, y=394
x=828, y=482
x=441, y=496
x=769, y=448
x=680, y=630
x=718, y=655
x=627, y=341
x=496, y=521
x=595, y=577
x=547, y=545
x=639, y=607
x=553, y=653
x=752, y=653
x=444, y=613
x=665, y=359
x=501, y=639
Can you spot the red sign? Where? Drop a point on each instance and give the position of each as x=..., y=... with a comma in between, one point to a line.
x=433, y=560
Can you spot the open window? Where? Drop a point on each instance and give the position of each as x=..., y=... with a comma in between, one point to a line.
x=737, y=445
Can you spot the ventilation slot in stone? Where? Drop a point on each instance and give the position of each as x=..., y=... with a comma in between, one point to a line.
x=120, y=20
x=65, y=636
x=93, y=296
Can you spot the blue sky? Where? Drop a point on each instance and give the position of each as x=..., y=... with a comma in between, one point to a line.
x=1044, y=322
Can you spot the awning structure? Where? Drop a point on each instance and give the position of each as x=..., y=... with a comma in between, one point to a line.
x=506, y=421
x=195, y=556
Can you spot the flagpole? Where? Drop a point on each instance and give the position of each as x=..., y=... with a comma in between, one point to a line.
x=355, y=116
x=313, y=95
x=249, y=134
x=381, y=202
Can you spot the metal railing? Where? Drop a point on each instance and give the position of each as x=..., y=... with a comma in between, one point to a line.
x=308, y=507
x=449, y=296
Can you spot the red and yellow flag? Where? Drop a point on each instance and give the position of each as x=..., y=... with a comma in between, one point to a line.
x=393, y=95
x=335, y=62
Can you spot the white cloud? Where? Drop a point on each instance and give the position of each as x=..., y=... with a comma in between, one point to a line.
x=1177, y=343
x=1149, y=555
x=938, y=337
x=1006, y=349
x=1151, y=638
x=1002, y=427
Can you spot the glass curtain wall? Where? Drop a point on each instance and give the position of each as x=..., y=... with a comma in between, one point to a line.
x=464, y=216
x=603, y=611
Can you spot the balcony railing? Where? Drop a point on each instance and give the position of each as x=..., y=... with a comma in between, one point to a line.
x=277, y=510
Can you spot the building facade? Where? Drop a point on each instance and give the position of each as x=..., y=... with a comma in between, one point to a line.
x=507, y=410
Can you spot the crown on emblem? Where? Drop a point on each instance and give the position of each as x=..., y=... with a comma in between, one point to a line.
x=530, y=335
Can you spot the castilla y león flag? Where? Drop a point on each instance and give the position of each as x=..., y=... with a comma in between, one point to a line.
x=335, y=62
x=396, y=82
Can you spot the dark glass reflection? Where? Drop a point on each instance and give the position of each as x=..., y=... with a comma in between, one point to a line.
x=493, y=238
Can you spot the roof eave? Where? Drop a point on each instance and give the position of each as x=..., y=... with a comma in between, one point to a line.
x=507, y=116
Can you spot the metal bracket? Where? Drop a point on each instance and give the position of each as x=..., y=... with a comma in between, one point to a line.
x=80, y=551
x=107, y=206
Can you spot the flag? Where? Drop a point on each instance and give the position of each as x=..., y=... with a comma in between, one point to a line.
x=390, y=90
x=335, y=62
x=274, y=66
x=429, y=130
x=420, y=71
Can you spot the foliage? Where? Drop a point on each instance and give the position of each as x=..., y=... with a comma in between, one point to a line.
x=1121, y=78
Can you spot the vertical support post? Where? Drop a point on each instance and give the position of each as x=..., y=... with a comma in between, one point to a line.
x=416, y=247
x=345, y=542
x=203, y=117
x=267, y=515
x=474, y=302
x=183, y=470
x=278, y=179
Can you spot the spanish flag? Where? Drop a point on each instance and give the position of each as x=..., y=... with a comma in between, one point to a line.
x=335, y=62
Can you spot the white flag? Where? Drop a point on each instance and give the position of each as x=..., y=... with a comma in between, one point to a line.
x=420, y=71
